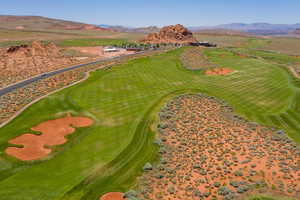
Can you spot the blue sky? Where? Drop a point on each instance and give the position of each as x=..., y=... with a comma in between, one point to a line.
x=159, y=12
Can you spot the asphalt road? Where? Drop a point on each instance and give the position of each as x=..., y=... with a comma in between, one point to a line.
x=21, y=84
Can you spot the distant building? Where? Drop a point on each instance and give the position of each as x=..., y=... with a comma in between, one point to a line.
x=206, y=44
x=110, y=49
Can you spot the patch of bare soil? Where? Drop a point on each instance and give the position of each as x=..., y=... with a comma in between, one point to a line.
x=295, y=69
x=218, y=71
x=193, y=58
x=98, y=51
x=113, y=196
x=53, y=133
x=207, y=152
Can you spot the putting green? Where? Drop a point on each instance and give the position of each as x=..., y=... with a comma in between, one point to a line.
x=123, y=101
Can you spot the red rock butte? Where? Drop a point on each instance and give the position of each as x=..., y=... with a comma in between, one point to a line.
x=171, y=34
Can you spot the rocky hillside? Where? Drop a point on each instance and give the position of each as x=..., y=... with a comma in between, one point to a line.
x=41, y=23
x=170, y=34
x=254, y=28
x=21, y=62
x=36, y=49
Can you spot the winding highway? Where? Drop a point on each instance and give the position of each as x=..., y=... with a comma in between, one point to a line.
x=21, y=84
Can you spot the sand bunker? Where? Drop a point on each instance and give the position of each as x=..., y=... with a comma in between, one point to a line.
x=113, y=196
x=53, y=133
x=218, y=71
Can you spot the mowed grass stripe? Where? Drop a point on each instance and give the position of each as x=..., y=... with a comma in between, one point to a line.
x=118, y=99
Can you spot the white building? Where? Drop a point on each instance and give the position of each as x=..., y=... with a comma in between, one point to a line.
x=110, y=49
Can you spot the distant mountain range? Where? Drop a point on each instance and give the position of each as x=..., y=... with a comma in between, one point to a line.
x=42, y=23
x=255, y=28
x=119, y=28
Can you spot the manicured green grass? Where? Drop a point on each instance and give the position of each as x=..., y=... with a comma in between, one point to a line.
x=92, y=42
x=270, y=55
x=268, y=197
x=287, y=45
x=84, y=42
x=124, y=101
x=257, y=43
x=13, y=43
x=223, y=40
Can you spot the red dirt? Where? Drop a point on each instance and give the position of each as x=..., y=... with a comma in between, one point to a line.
x=207, y=149
x=218, y=71
x=113, y=196
x=98, y=51
x=53, y=133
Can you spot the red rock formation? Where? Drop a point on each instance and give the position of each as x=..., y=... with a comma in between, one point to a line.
x=170, y=34
x=24, y=61
x=36, y=49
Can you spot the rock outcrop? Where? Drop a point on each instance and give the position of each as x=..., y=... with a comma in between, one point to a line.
x=170, y=34
x=36, y=49
x=24, y=61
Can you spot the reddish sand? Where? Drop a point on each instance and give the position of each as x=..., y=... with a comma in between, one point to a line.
x=98, y=51
x=113, y=196
x=53, y=133
x=218, y=71
x=209, y=153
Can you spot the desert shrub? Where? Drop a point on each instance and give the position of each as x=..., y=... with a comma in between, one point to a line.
x=147, y=166
x=171, y=189
x=206, y=194
x=131, y=194
x=242, y=189
x=158, y=142
x=158, y=176
x=224, y=191
x=238, y=173
x=162, y=125
x=217, y=184
x=234, y=184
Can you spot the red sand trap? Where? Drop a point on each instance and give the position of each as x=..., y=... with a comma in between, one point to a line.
x=53, y=133
x=113, y=196
x=218, y=71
